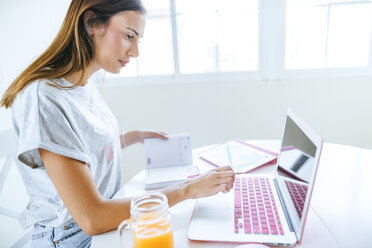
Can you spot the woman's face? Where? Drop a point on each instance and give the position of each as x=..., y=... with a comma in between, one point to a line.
x=115, y=44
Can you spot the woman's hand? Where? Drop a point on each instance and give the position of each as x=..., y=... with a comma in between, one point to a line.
x=148, y=134
x=211, y=183
x=139, y=136
x=208, y=184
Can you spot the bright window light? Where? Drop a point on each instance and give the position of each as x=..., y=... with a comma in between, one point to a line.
x=306, y=33
x=297, y=3
x=327, y=34
x=349, y=35
x=217, y=35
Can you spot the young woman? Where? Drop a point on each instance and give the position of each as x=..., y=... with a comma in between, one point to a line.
x=69, y=141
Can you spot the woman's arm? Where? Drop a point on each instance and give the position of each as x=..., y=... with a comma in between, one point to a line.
x=94, y=214
x=139, y=136
x=79, y=193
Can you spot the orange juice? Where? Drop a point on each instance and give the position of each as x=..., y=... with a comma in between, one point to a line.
x=158, y=234
x=158, y=239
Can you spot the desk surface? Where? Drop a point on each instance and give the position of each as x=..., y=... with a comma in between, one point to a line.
x=340, y=214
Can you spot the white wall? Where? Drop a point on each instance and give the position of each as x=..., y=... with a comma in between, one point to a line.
x=4, y=114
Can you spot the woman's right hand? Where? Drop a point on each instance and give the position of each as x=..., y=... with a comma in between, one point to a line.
x=211, y=183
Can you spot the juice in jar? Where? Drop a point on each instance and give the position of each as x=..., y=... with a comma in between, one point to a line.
x=153, y=235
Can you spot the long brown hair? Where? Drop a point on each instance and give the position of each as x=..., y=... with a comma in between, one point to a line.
x=72, y=49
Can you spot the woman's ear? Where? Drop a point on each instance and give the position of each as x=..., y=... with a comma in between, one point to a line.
x=89, y=25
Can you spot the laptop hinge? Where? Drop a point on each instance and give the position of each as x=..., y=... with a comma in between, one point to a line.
x=284, y=207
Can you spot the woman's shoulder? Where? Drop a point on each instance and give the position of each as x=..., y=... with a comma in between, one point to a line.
x=49, y=87
x=42, y=89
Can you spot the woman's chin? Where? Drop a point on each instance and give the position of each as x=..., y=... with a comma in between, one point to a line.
x=113, y=70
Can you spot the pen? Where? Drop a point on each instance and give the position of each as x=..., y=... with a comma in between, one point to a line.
x=195, y=175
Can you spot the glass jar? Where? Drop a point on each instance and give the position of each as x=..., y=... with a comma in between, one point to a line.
x=149, y=221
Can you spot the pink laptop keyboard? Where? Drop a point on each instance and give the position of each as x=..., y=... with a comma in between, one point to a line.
x=298, y=195
x=255, y=208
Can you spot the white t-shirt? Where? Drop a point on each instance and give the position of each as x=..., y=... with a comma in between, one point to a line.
x=75, y=123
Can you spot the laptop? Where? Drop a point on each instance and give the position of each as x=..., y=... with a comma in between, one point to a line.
x=266, y=208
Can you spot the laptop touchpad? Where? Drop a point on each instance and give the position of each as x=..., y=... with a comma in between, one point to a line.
x=214, y=205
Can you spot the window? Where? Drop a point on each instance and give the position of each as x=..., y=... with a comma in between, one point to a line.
x=268, y=39
x=217, y=35
x=327, y=34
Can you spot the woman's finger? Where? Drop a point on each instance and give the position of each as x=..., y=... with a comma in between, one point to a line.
x=222, y=174
x=225, y=168
x=226, y=190
x=219, y=188
x=226, y=181
x=226, y=177
x=152, y=134
x=161, y=135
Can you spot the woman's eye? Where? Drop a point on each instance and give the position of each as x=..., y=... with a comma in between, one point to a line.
x=129, y=36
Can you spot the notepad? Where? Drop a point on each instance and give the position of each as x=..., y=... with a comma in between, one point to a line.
x=168, y=161
x=241, y=156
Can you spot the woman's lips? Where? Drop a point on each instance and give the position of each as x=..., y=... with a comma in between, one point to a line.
x=123, y=62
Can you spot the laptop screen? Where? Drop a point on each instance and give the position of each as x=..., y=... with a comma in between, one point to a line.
x=297, y=163
x=297, y=152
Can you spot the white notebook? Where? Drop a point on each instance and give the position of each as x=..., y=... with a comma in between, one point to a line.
x=168, y=161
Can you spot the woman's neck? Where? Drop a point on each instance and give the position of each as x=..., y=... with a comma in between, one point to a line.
x=75, y=77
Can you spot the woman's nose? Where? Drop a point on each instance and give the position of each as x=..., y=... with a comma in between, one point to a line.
x=133, y=52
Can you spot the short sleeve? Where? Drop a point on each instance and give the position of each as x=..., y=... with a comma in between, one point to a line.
x=41, y=120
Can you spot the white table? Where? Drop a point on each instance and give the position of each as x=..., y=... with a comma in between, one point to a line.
x=341, y=206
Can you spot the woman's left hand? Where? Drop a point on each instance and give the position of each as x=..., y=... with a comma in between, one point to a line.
x=148, y=134
x=139, y=136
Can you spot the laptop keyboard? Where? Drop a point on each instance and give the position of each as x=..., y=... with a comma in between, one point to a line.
x=298, y=195
x=255, y=208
